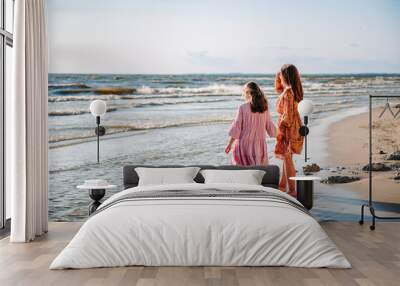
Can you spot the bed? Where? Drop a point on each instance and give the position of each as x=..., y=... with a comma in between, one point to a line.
x=199, y=224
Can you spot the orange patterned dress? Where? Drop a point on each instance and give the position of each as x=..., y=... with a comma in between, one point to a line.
x=288, y=138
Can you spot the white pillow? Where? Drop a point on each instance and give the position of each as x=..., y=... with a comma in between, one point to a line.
x=248, y=177
x=166, y=176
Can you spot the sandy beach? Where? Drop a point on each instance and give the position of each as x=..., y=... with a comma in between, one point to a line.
x=348, y=148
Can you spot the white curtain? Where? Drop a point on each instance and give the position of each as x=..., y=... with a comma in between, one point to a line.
x=27, y=123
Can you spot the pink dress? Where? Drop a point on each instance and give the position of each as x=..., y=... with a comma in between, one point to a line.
x=250, y=131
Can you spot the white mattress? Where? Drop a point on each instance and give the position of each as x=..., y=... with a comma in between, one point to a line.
x=202, y=232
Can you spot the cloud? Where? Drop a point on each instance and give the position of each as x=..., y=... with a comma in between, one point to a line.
x=354, y=45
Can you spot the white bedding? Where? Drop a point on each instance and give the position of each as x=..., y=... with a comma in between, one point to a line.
x=200, y=231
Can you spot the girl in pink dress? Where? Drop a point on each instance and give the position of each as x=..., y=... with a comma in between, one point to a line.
x=248, y=130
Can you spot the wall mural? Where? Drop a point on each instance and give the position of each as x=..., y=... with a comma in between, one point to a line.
x=173, y=90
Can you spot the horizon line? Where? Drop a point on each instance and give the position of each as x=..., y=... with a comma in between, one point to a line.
x=227, y=73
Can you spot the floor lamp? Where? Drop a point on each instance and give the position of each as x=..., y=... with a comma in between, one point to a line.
x=98, y=108
x=305, y=108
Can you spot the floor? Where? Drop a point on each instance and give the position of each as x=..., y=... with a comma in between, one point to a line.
x=375, y=256
x=5, y=231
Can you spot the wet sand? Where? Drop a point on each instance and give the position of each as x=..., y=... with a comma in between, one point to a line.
x=348, y=148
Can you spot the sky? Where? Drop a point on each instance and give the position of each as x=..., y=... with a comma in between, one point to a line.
x=204, y=36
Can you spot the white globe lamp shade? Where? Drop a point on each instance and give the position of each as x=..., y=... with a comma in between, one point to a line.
x=305, y=107
x=98, y=108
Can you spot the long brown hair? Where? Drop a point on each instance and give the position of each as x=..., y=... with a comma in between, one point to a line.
x=292, y=78
x=258, y=101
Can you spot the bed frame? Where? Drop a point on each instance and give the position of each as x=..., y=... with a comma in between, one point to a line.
x=270, y=179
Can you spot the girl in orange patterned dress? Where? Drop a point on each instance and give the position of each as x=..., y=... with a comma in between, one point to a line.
x=288, y=139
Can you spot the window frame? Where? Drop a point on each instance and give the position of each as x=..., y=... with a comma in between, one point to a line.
x=6, y=39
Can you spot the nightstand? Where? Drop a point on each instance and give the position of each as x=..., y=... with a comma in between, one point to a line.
x=96, y=193
x=305, y=190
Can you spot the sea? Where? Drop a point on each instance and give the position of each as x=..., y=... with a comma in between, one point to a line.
x=172, y=119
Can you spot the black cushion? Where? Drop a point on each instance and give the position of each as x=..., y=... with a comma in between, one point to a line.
x=270, y=179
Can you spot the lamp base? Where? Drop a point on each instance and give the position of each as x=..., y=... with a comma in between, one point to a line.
x=303, y=130
x=100, y=130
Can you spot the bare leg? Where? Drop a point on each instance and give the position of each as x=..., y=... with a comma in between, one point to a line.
x=290, y=172
x=283, y=180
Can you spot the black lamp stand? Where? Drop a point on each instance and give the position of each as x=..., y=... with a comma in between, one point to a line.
x=304, y=132
x=100, y=131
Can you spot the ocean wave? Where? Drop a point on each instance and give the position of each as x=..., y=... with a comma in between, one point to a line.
x=100, y=90
x=314, y=86
x=161, y=103
x=121, y=128
x=67, y=112
x=220, y=89
x=115, y=90
x=246, y=79
x=322, y=110
x=68, y=85
x=343, y=101
x=74, y=168
x=210, y=89
x=360, y=81
x=172, y=96
x=175, y=81
x=60, y=138
x=66, y=98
